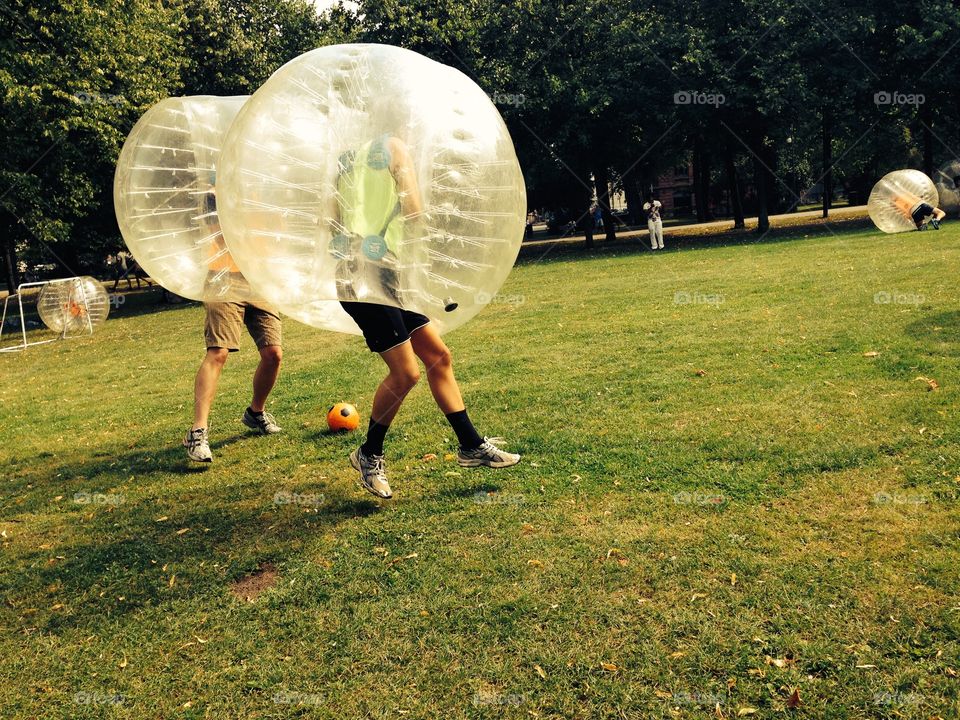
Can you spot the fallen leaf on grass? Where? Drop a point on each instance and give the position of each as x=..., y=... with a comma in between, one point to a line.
x=779, y=662
x=181, y=531
x=701, y=373
x=609, y=667
x=662, y=694
x=746, y=711
x=794, y=700
x=733, y=579
x=173, y=579
x=540, y=671
x=871, y=353
x=931, y=383
x=430, y=456
x=535, y=563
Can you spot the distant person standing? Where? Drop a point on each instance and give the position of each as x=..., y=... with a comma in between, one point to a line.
x=654, y=223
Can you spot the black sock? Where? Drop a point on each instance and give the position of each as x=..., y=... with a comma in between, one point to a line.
x=467, y=434
x=376, y=432
x=254, y=412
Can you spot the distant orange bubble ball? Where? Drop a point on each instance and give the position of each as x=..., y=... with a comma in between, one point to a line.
x=343, y=416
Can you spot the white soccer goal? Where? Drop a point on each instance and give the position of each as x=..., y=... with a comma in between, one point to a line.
x=67, y=306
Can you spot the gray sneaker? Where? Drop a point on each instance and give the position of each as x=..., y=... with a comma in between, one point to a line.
x=197, y=445
x=487, y=454
x=263, y=423
x=373, y=474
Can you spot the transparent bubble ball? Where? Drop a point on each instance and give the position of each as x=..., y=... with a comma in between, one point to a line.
x=73, y=306
x=896, y=195
x=165, y=196
x=369, y=173
x=948, y=186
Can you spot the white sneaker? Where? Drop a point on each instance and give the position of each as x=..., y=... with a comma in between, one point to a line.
x=487, y=454
x=197, y=445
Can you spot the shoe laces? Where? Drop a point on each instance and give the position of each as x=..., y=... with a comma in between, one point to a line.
x=197, y=436
x=267, y=419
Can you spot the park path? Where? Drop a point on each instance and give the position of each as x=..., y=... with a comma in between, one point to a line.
x=810, y=218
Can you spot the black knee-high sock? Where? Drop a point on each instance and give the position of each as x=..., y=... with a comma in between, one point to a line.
x=467, y=434
x=376, y=432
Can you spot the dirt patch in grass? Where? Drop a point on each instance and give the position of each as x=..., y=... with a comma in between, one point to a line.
x=249, y=587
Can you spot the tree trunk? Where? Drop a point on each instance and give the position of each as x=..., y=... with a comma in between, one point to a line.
x=603, y=199
x=9, y=263
x=699, y=196
x=927, y=114
x=760, y=175
x=634, y=199
x=736, y=201
x=827, y=162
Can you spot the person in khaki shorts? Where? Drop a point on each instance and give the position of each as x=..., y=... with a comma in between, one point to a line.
x=222, y=331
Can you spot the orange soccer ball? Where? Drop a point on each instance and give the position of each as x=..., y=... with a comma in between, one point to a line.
x=343, y=416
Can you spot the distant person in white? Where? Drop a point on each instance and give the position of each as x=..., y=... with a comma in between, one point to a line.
x=654, y=223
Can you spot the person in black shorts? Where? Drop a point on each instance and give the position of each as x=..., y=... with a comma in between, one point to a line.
x=924, y=213
x=377, y=197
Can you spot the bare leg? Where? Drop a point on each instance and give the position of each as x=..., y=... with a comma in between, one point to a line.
x=265, y=376
x=430, y=348
x=205, y=386
x=404, y=372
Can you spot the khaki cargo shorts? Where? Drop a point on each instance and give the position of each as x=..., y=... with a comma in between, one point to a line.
x=225, y=321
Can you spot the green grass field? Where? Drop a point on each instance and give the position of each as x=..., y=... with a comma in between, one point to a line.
x=738, y=497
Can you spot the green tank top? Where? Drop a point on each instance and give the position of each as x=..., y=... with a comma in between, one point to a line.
x=368, y=199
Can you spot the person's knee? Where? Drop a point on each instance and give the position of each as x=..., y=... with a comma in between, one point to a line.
x=440, y=360
x=404, y=379
x=217, y=356
x=272, y=355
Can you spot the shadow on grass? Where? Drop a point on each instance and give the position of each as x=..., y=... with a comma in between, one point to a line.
x=111, y=556
x=941, y=328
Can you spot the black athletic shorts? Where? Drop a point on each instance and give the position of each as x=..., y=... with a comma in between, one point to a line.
x=384, y=326
x=924, y=211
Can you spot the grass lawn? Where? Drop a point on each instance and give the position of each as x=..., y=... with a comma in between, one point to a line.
x=738, y=497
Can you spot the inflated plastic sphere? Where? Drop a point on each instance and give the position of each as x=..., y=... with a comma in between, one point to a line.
x=165, y=197
x=370, y=173
x=73, y=306
x=895, y=197
x=948, y=186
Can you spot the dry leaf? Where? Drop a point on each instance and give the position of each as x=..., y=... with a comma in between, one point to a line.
x=173, y=579
x=701, y=373
x=162, y=519
x=746, y=711
x=794, y=700
x=733, y=579
x=430, y=456
x=609, y=667
x=449, y=456
x=872, y=353
x=931, y=383
x=181, y=531
x=123, y=663
x=662, y=694
x=535, y=563
x=540, y=671
x=677, y=654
